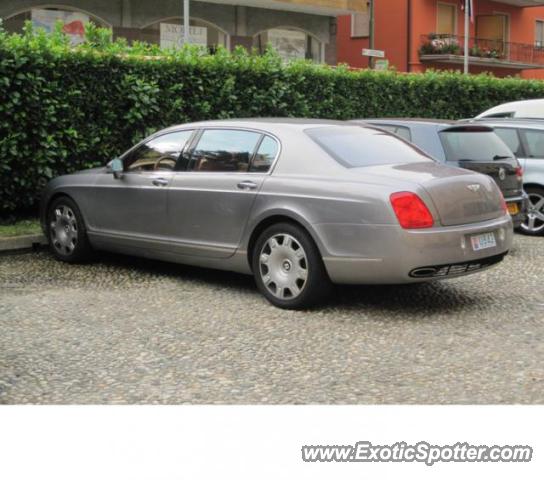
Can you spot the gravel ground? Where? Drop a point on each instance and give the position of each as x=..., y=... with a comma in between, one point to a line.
x=124, y=330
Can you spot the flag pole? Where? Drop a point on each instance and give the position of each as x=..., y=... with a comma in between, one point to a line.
x=186, y=38
x=467, y=34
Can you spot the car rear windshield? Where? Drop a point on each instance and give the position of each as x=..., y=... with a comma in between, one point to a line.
x=473, y=145
x=361, y=146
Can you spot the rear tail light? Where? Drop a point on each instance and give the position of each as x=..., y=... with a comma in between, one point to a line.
x=519, y=172
x=411, y=211
x=504, y=206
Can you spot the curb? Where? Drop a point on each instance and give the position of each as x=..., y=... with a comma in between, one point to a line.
x=22, y=242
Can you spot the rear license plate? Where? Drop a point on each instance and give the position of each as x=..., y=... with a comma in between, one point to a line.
x=483, y=241
x=513, y=208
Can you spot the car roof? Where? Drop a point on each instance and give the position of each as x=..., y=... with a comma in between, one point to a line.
x=408, y=120
x=533, y=108
x=270, y=124
x=511, y=122
x=425, y=122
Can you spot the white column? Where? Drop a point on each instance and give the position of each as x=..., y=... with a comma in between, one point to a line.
x=186, y=38
x=126, y=14
x=467, y=34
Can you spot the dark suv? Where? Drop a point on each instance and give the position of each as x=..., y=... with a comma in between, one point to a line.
x=525, y=138
x=467, y=145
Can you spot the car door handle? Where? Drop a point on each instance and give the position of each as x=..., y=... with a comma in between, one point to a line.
x=160, y=182
x=247, y=185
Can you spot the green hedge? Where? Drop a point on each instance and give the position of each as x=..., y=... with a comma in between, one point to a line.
x=63, y=109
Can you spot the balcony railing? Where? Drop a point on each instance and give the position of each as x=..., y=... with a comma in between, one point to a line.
x=504, y=54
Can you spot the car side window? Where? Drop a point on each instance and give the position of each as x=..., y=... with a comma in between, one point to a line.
x=510, y=136
x=222, y=150
x=534, y=143
x=159, y=154
x=500, y=115
x=265, y=156
x=402, y=132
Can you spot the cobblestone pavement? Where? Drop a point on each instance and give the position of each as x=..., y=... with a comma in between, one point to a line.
x=124, y=330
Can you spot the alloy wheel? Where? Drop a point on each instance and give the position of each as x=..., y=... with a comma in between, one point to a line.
x=534, y=223
x=64, y=230
x=283, y=266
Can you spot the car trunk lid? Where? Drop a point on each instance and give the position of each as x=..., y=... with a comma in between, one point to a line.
x=464, y=199
x=458, y=196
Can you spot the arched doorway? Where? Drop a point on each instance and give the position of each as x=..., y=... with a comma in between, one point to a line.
x=46, y=17
x=290, y=43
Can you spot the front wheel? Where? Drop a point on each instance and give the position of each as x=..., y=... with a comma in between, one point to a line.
x=66, y=231
x=534, y=222
x=288, y=268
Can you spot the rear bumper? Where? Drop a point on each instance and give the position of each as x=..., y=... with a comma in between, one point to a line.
x=390, y=255
x=449, y=270
x=522, y=204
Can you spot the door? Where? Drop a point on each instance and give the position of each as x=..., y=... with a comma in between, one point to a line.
x=492, y=33
x=533, y=178
x=210, y=199
x=135, y=205
x=533, y=163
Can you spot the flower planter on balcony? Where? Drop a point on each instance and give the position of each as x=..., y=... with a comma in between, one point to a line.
x=483, y=52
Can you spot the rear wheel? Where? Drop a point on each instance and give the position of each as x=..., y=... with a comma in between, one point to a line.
x=288, y=268
x=66, y=231
x=534, y=222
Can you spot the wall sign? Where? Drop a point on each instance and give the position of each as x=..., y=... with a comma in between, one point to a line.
x=172, y=35
x=367, y=52
x=381, y=64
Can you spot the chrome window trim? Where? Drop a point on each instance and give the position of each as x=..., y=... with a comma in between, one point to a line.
x=244, y=129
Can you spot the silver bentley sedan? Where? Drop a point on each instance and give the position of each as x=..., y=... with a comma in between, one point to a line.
x=299, y=204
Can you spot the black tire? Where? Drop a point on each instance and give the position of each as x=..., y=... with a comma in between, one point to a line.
x=534, y=226
x=296, y=264
x=66, y=231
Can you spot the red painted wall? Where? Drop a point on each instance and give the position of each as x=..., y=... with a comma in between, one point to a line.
x=392, y=33
x=391, y=18
x=348, y=50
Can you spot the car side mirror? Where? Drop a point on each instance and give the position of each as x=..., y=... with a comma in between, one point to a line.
x=115, y=166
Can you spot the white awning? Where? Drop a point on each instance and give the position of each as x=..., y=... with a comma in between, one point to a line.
x=522, y=3
x=330, y=8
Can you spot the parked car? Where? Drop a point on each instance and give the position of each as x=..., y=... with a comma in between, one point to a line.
x=296, y=203
x=522, y=109
x=526, y=139
x=465, y=145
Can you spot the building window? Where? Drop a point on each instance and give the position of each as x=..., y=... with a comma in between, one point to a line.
x=446, y=23
x=290, y=43
x=492, y=27
x=539, y=34
x=360, y=24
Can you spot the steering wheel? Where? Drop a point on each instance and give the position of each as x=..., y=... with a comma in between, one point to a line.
x=161, y=159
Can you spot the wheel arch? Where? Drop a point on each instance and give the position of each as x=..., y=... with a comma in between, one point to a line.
x=272, y=219
x=533, y=185
x=47, y=205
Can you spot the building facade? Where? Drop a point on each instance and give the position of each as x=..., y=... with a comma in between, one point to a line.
x=297, y=28
x=505, y=37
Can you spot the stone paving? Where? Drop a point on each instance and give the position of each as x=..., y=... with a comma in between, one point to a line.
x=123, y=330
